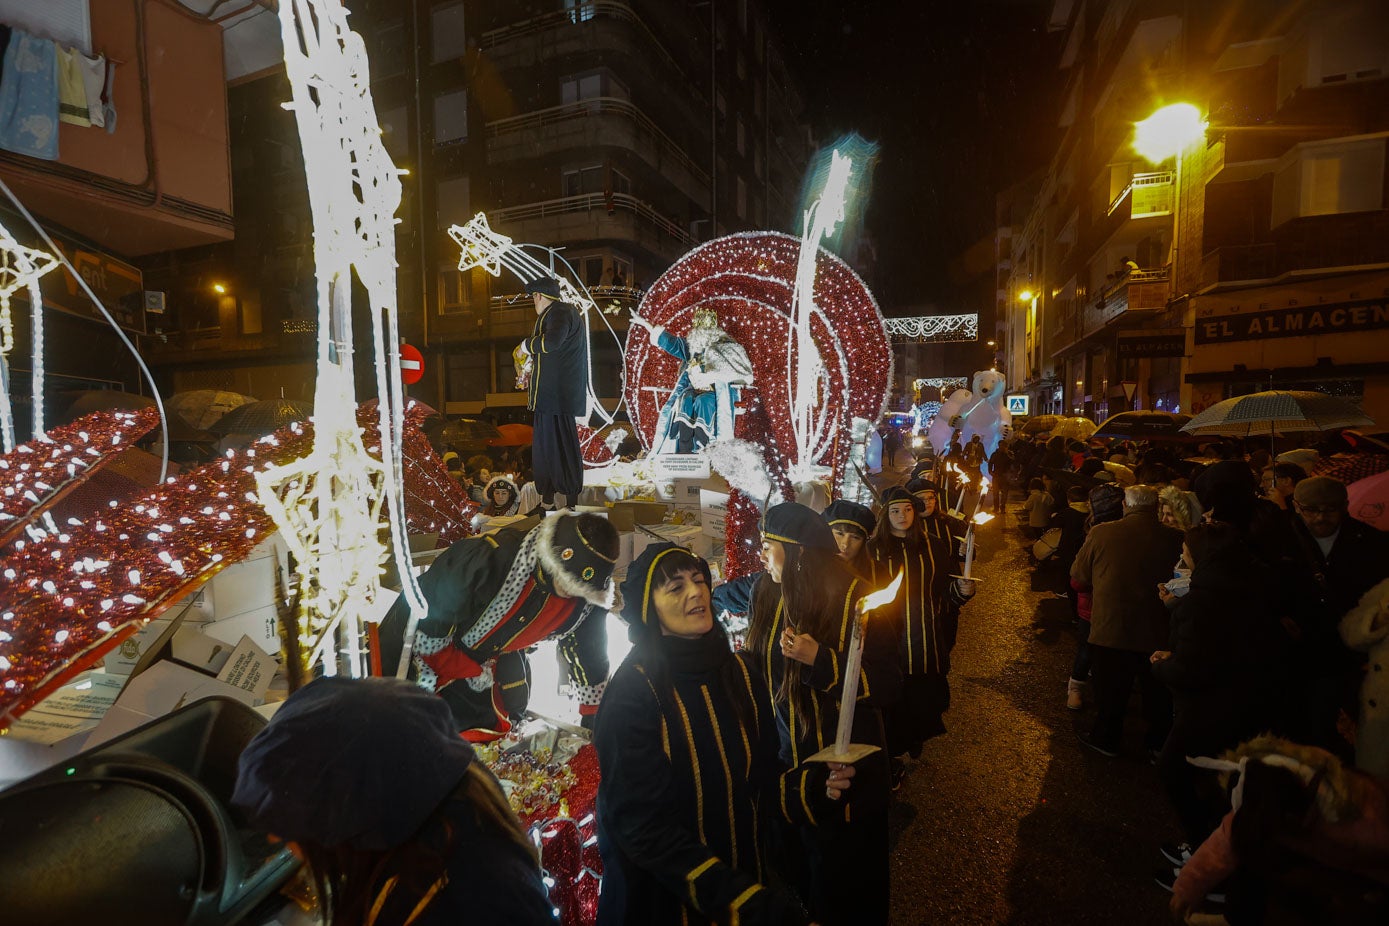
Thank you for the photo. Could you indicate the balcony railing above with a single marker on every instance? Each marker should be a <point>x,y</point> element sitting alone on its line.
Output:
<point>593,202</point>
<point>570,113</point>
<point>582,16</point>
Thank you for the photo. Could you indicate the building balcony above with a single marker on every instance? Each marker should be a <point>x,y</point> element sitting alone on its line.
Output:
<point>1305,245</point>
<point>595,217</point>
<point>1146,195</point>
<point>162,179</point>
<point>1138,295</point>
<point>591,124</point>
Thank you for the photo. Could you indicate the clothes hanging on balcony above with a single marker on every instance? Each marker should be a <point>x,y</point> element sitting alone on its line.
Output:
<point>29,97</point>
<point>93,83</point>
<point>72,92</point>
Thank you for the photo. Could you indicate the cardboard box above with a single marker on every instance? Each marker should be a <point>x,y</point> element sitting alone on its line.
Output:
<point>713,512</point>
<point>248,585</point>
<point>686,492</point>
<point>679,466</point>
<point>626,515</point>
<point>159,690</point>
<point>261,625</point>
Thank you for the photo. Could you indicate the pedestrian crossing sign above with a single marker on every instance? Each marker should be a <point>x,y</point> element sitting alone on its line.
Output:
<point>1017,404</point>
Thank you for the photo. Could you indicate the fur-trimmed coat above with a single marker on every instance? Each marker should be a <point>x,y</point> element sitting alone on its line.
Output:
<point>1366,628</point>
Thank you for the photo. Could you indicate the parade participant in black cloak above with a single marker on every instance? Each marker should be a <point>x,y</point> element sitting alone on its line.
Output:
<point>396,819</point>
<point>687,746</point>
<point>851,523</point>
<point>928,605</point>
<point>935,522</point>
<point>490,598</point>
<point>557,392</point>
<point>802,613</point>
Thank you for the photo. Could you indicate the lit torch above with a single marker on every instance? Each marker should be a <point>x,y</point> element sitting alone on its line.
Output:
<point>843,750</point>
<point>980,517</point>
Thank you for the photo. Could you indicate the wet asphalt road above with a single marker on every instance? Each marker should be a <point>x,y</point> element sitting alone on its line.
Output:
<point>1007,818</point>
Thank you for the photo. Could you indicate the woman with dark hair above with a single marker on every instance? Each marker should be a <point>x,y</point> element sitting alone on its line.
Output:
<point>398,822</point>
<point>1218,666</point>
<point>687,744</point>
<point>851,523</point>
<point>803,610</point>
<point>503,498</point>
<point>928,612</point>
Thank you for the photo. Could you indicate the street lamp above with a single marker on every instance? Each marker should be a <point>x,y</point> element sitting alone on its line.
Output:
<point>1026,295</point>
<point>1168,132</point>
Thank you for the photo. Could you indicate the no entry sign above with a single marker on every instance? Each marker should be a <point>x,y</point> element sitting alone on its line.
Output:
<point>411,364</point>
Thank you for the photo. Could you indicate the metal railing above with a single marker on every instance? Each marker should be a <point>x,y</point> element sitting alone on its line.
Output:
<point>590,202</point>
<point>510,300</point>
<point>1147,179</point>
<point>580,16</point>
<point>597,106</point>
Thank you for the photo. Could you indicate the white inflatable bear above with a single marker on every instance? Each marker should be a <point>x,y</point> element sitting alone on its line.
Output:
<point>983,411</point>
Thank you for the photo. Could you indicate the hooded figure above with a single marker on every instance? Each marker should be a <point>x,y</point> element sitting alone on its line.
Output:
<point>492,597</point>
<point>687,746</point>
<point>803,608</point>
<point>389,808</point>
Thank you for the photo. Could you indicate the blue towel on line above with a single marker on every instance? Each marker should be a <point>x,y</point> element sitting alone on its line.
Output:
<point>29,97</point>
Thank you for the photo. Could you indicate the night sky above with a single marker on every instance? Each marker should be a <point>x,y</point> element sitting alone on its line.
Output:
<point>962,97</point>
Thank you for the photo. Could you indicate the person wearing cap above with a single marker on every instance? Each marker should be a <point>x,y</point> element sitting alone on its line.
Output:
<point>557,392</point>
<point>934,521</point>
<point>492,597</point>
<point>687,745</point>
<point>1337,560</point>
<point>502,497</point>
<point>803,609</point>
<point>397,820</point>
<point>851,523</point>
<point>928,611</point>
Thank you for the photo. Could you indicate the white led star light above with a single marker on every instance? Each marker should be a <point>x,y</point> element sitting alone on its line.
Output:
<point>20,268</point>
<point>328,504</point>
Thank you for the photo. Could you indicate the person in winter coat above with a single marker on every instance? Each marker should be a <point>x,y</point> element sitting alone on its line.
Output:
<point>1306,841</point>
<point>493,597</point>
<point>1366,628</point>
<point>803,610</point>
<point>928,606</point>
<point>1106,503</point>
<point>397,820</point>
<point>1037,509</point>
<point>688,748</point>
<point>503,498</point>
<point>1215,665</point>
<point>851,523</point>
<point>1000,465</point>
<point>1123,562</point>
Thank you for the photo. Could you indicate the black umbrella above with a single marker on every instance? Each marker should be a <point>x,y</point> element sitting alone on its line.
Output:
<point>1144,426</point>
<point>261,418</point>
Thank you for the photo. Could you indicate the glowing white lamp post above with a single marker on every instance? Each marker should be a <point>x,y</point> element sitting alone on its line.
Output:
<point>843,750</point>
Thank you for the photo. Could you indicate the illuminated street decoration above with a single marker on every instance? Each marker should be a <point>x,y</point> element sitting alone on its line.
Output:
<point>804,369</point>
<point>328,503</point>
<point>934,328</point>
<point>20,269</point>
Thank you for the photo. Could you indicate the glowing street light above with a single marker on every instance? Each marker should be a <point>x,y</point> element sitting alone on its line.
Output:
<point>1168,132</point>
<point>219,289</point>
<point>1026,295</point>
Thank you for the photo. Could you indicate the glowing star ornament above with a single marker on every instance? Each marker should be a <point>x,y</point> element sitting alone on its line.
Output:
<point>20,269</point>
<point>328,504</point>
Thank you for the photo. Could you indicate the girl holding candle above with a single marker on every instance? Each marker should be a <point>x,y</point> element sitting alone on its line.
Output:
<point>688,747</point>
<point>803,609</point>
<point>928,606</point>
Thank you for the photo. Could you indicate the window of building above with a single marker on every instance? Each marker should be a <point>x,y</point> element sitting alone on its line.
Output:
<point>742,199</point>
<point>468,373</point>
<point>248,310</point>
<point>395,132</point>
<point>591,270</point>
<point>1328,178</point>
<point>579,10</point>
<point>590,86</point>
<point>453,201</point>
<point>451,117</point>
<point>387,51</point>
<point>446,31</point>
<point>622,271</point>
<point>581,180</point>
<point>456,289</point>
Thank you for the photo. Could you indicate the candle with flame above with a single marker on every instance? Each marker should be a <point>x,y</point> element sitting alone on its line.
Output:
<point>843,750</point>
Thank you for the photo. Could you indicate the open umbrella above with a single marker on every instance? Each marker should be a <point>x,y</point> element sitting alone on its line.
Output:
<point>201,408</point>
<point>468,431</point>
<point>1078,428</point>
<point>1352,467</point>
<point>261,418</point>
<point>513,435</point>
<point>1041,424</point>
<point>1369,500</point>
<point>1143,426</point>
<point>1276,412</point>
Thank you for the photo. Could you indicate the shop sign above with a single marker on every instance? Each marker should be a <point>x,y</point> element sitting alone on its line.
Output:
<point>118,285</point>
<point>1296,322</point>
<point>1169,342</point>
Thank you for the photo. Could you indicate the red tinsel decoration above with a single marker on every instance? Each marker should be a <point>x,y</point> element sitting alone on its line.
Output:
<point>593,448</point>
<point>568,845</point>
<point>748,279</point>
<point>66,599</point>
<point>742,537</point>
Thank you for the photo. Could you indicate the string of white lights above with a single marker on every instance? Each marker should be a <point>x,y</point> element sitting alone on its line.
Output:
<point>934,328</point>
<point>20,268</point>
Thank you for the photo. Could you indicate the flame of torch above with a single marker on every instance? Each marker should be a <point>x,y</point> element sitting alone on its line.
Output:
<point>881,597</point>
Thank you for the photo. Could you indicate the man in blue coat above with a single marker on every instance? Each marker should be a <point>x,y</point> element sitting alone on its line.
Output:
<point>557,392</point>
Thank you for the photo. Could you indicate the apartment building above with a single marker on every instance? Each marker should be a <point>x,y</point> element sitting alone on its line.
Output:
<point>1251,258</point>
<point>623,133</point>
